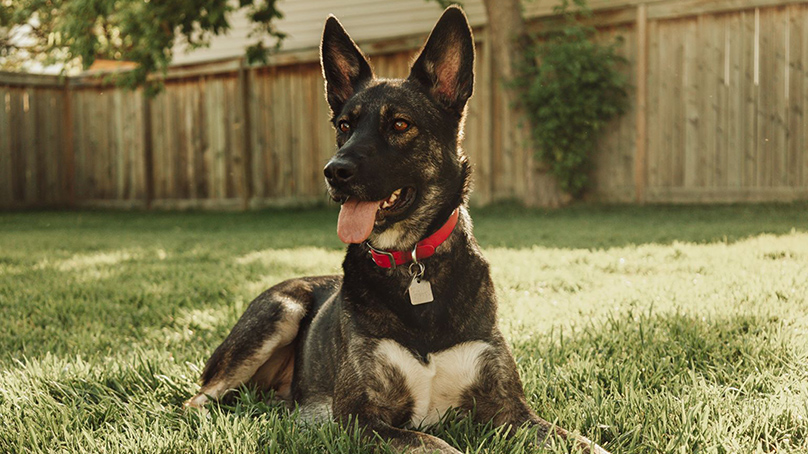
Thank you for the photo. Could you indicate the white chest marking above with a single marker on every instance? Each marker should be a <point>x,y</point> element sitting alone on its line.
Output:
<point>438,385</point>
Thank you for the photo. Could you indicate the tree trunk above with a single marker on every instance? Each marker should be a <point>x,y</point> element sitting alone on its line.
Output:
<point>508,39</point>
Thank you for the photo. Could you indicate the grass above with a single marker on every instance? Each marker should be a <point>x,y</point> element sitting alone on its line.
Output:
<point>649,329</point>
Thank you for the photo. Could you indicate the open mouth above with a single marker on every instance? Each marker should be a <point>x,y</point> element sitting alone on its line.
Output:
<point>357,217</point>
<point>396,204</point>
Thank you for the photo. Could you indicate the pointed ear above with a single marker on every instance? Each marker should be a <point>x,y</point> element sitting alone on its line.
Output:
<point>445,65</point>
<point>345,68</point>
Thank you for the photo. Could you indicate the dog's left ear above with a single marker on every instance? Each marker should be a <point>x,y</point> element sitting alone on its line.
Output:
<point>446,63</point>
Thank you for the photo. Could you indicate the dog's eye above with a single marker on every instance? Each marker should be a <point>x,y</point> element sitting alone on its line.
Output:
<point>344,126</point>
<point>401,125</point>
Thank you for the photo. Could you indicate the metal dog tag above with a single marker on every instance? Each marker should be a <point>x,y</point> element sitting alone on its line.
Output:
<point>420,291</point>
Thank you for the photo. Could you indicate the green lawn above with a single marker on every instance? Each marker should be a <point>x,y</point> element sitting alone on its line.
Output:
<point>649,329</point>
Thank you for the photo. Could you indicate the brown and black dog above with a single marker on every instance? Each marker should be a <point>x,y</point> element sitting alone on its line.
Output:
<point>410,330</point>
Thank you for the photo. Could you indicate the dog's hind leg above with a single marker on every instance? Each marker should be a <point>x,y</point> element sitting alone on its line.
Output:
<point>260,348</point>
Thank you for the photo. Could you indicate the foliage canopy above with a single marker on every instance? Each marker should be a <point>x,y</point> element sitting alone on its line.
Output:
<point>77,32</point>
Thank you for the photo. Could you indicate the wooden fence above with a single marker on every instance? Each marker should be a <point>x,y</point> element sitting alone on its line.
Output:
<point>718,114</point>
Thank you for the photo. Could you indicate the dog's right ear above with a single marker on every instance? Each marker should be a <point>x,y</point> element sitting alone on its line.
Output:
<point>345,68</point>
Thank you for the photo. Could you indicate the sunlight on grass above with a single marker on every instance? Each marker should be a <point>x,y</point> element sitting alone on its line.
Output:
<point>545,288</point>
<point>650,330</point>
<point>84,261</point>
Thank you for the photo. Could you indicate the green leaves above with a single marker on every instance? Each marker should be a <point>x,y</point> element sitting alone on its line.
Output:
<point>77,32</point>
<point>573,88</point>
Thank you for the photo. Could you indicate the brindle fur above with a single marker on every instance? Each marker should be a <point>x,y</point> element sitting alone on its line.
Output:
<point>315,340</point>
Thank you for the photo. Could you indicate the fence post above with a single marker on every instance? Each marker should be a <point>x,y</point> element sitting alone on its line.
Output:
<point>69,184</point>
<point>246,148</point>
<point>148,152</point>
<point>640,156</point>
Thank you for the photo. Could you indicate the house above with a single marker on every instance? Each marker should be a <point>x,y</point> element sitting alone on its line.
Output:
<point>366,21</point>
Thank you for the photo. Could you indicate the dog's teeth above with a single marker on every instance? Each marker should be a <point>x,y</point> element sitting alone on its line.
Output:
<point>391,200</point>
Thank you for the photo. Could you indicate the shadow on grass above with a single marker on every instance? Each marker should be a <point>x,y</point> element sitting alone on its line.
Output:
<point>501,225</point>
<point>639,383</point>
<point>603,226</point>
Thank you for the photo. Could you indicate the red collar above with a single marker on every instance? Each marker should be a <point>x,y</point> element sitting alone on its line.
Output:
<point>423,249</point>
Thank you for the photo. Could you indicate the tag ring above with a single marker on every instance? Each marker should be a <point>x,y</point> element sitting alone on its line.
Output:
<point>417,274</point>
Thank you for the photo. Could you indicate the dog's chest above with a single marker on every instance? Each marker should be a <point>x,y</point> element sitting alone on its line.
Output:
<point>437,384</point>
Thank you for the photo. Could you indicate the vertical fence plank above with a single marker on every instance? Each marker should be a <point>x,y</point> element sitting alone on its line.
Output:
<point>734,105</point>
<point>300,182</point>
<point>766,101</point>
<point>780,85</point>
<point>148,149</point>
<point>803,131</point>
<point>244,84</point>
<point>712,61</point>
<point>678,102</point>
<point>311,93</point>
<point>751,89</point>
<point>795,68</point>
<point>692,96</point>
<point>653,126</point>
<point>6,198</point>
<point>666,105</point>
<point>641,153</point>
<point>30,149</point>
<point>485,121</point>
<point>5,151</point>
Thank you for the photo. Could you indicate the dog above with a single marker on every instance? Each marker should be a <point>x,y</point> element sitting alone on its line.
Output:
<point>409,331</point>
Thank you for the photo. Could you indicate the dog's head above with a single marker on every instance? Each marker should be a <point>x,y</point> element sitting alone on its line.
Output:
<point>399,170</point>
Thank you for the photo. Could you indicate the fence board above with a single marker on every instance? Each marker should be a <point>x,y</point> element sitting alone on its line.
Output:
<point>803,131</point>
<point>680,147</point>
<point>720,77</point>
<point>653,123</point>
<point>795,67</point>
<point>5,146</point>
<point>693,101</point>
<point>750,93</point>
<point>727,100</point>
<point>734,105</point>
<point>481,104</point>
<point>779,170</point>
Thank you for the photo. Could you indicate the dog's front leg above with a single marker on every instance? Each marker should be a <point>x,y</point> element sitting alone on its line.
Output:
<point>410,441</point>
<point>372,397</point>
<point>513,411</point>
<point>498,397</point>
<point>407,441</point>
<point>547,431</point>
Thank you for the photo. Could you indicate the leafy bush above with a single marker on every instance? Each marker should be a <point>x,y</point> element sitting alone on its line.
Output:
<point>571,89</point>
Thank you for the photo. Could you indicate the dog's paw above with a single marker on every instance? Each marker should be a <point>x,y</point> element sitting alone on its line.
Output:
<point>196,404</point>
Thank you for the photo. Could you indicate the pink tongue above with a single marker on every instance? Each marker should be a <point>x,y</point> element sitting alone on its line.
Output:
<point>356,220</point>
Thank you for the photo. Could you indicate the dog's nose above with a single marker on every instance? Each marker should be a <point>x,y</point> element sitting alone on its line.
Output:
<point>339,171</point>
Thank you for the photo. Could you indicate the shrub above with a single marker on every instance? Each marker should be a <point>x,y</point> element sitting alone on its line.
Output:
<point>571,88</point>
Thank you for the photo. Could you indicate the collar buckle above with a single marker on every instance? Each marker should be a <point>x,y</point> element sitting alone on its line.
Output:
<point>376,254</point>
